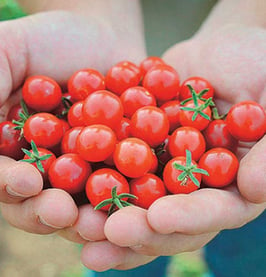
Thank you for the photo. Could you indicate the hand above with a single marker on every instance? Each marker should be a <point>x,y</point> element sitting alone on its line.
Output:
<point>233,60</point>
<point>54,44</point>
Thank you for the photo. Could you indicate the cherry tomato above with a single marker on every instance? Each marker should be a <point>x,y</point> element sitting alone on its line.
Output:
<point>61,110</point>
<point>184,138</point>
<point>148,63</point>
<point>217,135</point>
<point>41,93</point>
<point>102,107</point>
<point>172,108</point>
<point>222,166</point>
<point>150,124</point>
<point>162,81</point>
<point>133,157</point>
<point>199,84</point>
<point>147,189</point>
<point>69,140</point>
<point>15,111</point>
<point>45,129</point>
<point>100,183</point>
<point>122,76</point>
<point>95,143</point>
<point>155,163</point>
<point>134,98</point>
<point>246,121</point>
<point>69,172</point>
<point>75,114</point>
<point>122,130</point>
<point>84,82</point>
<point>10,141</point>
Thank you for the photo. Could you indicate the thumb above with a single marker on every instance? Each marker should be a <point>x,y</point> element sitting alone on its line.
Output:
<point>251,173</point>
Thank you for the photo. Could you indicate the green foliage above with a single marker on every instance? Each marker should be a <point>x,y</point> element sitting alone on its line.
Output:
<point>9,9</point>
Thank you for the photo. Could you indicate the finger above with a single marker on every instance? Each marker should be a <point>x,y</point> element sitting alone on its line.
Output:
<point>251,174</point>
<point>104,255</point>
<point>129,227</point>
<point>45,213</point>
<point>88,227</point>
<point>18,180</point>
<point>203,211</point>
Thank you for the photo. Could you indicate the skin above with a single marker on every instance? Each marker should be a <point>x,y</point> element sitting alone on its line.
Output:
<point>173,224</point>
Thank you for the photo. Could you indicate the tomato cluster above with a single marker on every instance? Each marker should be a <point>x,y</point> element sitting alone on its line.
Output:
<point>128,137</point>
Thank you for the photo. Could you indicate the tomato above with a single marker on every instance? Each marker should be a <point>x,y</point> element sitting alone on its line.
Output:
<point>162,81</point>
<point>246,121</point>
<point>69,140</point>
<point>15,112</point>
<point>45,129</point>
<point>155,163</point>
<point>84,82</point>
<point>102,107</point>
<point>148,63</point>
<point>122,76</point>
<point>134,98</point>
<point>122,130</point>
<point>199,84</point>
<point>62,109</point>
<point>172,108</point>
<point>10,141</point>
<point>222,166</point>
<point>75,115</point>
<point>217,135</point>
<point>41,93</point>
<point>95,143</point>
<point>69,172</point>
<point>147,189</point>
<point>184,138</point>
<point>133,157</point>
<point>100,184</point>
<point>150,124</point>
<point>197,115</point>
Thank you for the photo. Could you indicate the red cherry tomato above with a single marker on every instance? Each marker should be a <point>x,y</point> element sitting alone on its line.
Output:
<point>199,84</point>
<point>41,93</point>
<point>45,129</point>
<point>172,108</point>
<point>95,143</point>
<point>102,107</point>
<point>100,183</point>
<point>222,166</point>
<point>133,157</point>
<point>147,189</point>
<point>246,121</point>
<point>84,82</point>
<point>162,81</point>
<point>10,141</point>
<point>184,138</point>
<point>122,76</point>
<point>150,124</point>
<point>75,115</point>
<point>69,140</point>
<point>134,98</point>
<point>70,173</point>
<point>122,130</point>
<point>148,63</point>
<point>155,163</point>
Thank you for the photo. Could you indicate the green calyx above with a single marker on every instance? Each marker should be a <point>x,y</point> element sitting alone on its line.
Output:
<point>34,156</point>
<point>115,201</point>
<point>188,170</point>
<point>67,105</point>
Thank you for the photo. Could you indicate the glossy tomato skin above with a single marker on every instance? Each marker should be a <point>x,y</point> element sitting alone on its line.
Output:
<point>148,63</point>
<point>70,173</point>
<point>84,82</point>
<point>172,109</point>
<point>102,107</point>
<point>134,98</point>
<point>122,76</point>
<point>100,183</point>
<point>170,177</point>
<point>222,166</point>
<point>41,93</point>
<point>95,143</point>
<point>69,140</point>
<point>155,163</point>
<point>10,142</point>
<point>246,121</point>
<point>200,122</point>
<point>147,189</point>
<point>162,81</point>
<point>75,115</point>
<point>150,124</point>
<point>133,157</point>
<point>187,138</point>
<point>45,129</point>
<point>217,135</point>
<point>122,130</point>
<point>198,84</point>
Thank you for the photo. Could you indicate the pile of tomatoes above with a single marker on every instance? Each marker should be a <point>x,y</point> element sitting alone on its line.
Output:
<point>128,137</point>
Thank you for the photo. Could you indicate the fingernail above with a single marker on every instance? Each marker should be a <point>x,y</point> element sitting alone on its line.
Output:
<point>13,193</point>
<point>42,221</point>
<point>84,237</point>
